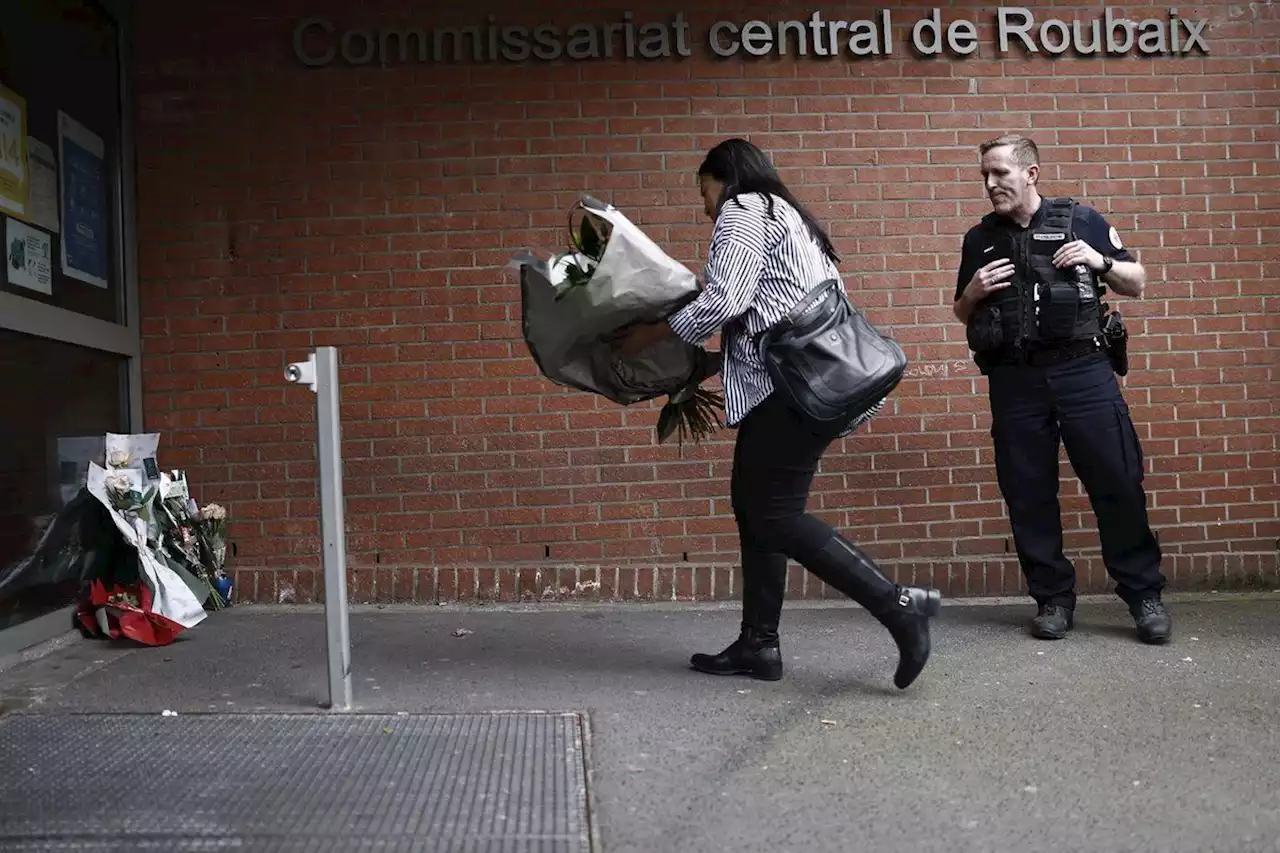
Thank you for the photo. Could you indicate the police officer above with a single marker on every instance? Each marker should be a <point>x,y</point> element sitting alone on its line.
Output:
<point>1029,291</point>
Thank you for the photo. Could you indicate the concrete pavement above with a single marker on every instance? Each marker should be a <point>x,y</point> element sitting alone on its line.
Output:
<point>1006,743</point>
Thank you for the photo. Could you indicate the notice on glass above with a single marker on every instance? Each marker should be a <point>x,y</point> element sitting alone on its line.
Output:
<point>29,256</point>
<point>75,453</point>
<point>84,202</point>
<point>13,152</point>
<point>42,185</point>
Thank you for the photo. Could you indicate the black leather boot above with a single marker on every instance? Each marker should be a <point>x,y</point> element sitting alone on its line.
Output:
<point>757,651</point>
<point>904,610</point>
<point>751,654</point>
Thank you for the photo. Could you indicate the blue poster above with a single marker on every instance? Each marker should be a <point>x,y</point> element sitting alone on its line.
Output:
<point>84,202</point>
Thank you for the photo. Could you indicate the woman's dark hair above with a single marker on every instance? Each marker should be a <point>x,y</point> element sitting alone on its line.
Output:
<point>744,168</point>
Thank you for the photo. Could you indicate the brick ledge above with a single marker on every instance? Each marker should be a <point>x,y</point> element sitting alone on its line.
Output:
<point>589,582</point>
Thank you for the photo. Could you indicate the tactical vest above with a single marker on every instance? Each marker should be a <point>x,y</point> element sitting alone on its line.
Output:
<point>1044,305</point>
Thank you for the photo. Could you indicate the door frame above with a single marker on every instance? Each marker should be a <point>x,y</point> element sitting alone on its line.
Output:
<point>28,316</point>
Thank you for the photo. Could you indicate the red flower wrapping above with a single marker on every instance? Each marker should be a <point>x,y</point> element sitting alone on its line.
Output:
<point>124,618</point>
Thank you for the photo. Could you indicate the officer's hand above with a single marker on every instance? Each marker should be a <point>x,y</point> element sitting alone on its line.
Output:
<point>1078,252</point>
<point>988,279</point>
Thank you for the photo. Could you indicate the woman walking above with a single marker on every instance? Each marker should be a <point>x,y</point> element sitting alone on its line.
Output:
<point>767,252</point>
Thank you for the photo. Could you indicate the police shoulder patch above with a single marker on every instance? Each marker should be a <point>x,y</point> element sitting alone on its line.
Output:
<point>1114,235</point>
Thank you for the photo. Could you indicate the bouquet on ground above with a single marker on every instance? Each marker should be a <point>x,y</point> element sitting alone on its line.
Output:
<point>577,304</point>
<point>170,552</point>
<point>129,542</point>
<point>211,531</point>
<point>140,595</point>
<point>193,538</point>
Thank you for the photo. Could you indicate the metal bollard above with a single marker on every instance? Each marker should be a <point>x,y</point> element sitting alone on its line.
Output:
<point>320,372</point>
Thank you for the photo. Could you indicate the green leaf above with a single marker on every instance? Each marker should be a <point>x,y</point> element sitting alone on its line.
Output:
<point>576,275</point>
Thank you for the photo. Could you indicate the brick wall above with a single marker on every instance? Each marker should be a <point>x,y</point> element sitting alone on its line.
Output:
<point>285,207</point>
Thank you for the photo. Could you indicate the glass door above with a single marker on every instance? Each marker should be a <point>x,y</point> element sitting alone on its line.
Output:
<point>69,329</point>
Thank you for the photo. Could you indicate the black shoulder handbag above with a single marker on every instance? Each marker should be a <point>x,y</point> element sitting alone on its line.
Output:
<point>828,361</point>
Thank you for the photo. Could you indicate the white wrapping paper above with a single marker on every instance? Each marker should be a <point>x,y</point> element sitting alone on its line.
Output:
<point>171,597</point>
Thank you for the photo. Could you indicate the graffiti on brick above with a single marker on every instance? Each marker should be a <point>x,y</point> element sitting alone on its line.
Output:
<point>936,369</point>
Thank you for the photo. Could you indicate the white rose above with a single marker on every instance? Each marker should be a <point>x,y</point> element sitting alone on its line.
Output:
<point>118,483</point>
<point>213,512</point>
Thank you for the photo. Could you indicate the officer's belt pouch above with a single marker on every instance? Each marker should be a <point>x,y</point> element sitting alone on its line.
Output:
<point>984,329</point>
<point>1115,339</point>
<point>1059,310</point>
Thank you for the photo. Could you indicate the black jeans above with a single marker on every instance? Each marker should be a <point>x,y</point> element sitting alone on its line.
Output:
<point>774,461</point>
<point>1079,403</point>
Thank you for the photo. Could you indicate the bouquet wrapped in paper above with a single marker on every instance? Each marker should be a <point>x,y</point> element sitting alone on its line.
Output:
<point>144,597</point>
<point>129,541</point>
<point>192,538</point>
<point>578,303</point>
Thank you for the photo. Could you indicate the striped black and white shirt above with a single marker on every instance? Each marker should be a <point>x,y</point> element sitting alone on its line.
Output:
<point>758,267</point>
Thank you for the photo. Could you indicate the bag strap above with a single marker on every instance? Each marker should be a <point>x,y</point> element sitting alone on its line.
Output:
<point>810,301</point>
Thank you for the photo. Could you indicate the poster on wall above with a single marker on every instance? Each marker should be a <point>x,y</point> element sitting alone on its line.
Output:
<point>28,256</point>
<point>84,202</point>
<point>13,152</point>
<point>42,185</point>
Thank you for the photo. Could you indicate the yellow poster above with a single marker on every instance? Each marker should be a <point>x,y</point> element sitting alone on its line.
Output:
<point>13,152</point>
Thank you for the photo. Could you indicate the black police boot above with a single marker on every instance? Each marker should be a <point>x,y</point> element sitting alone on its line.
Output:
<point>904,610</point>
<point>757,651</point>
<point>1155,626</point>
<point>1053,621</point>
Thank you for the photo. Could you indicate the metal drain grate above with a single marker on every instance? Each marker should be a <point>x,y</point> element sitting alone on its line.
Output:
<point>485,783</point>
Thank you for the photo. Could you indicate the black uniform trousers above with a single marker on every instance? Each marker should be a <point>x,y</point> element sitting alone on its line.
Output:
<point>1077,402</point>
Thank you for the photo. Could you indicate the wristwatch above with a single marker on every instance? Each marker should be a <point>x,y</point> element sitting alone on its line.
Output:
<point>1107,264</point>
